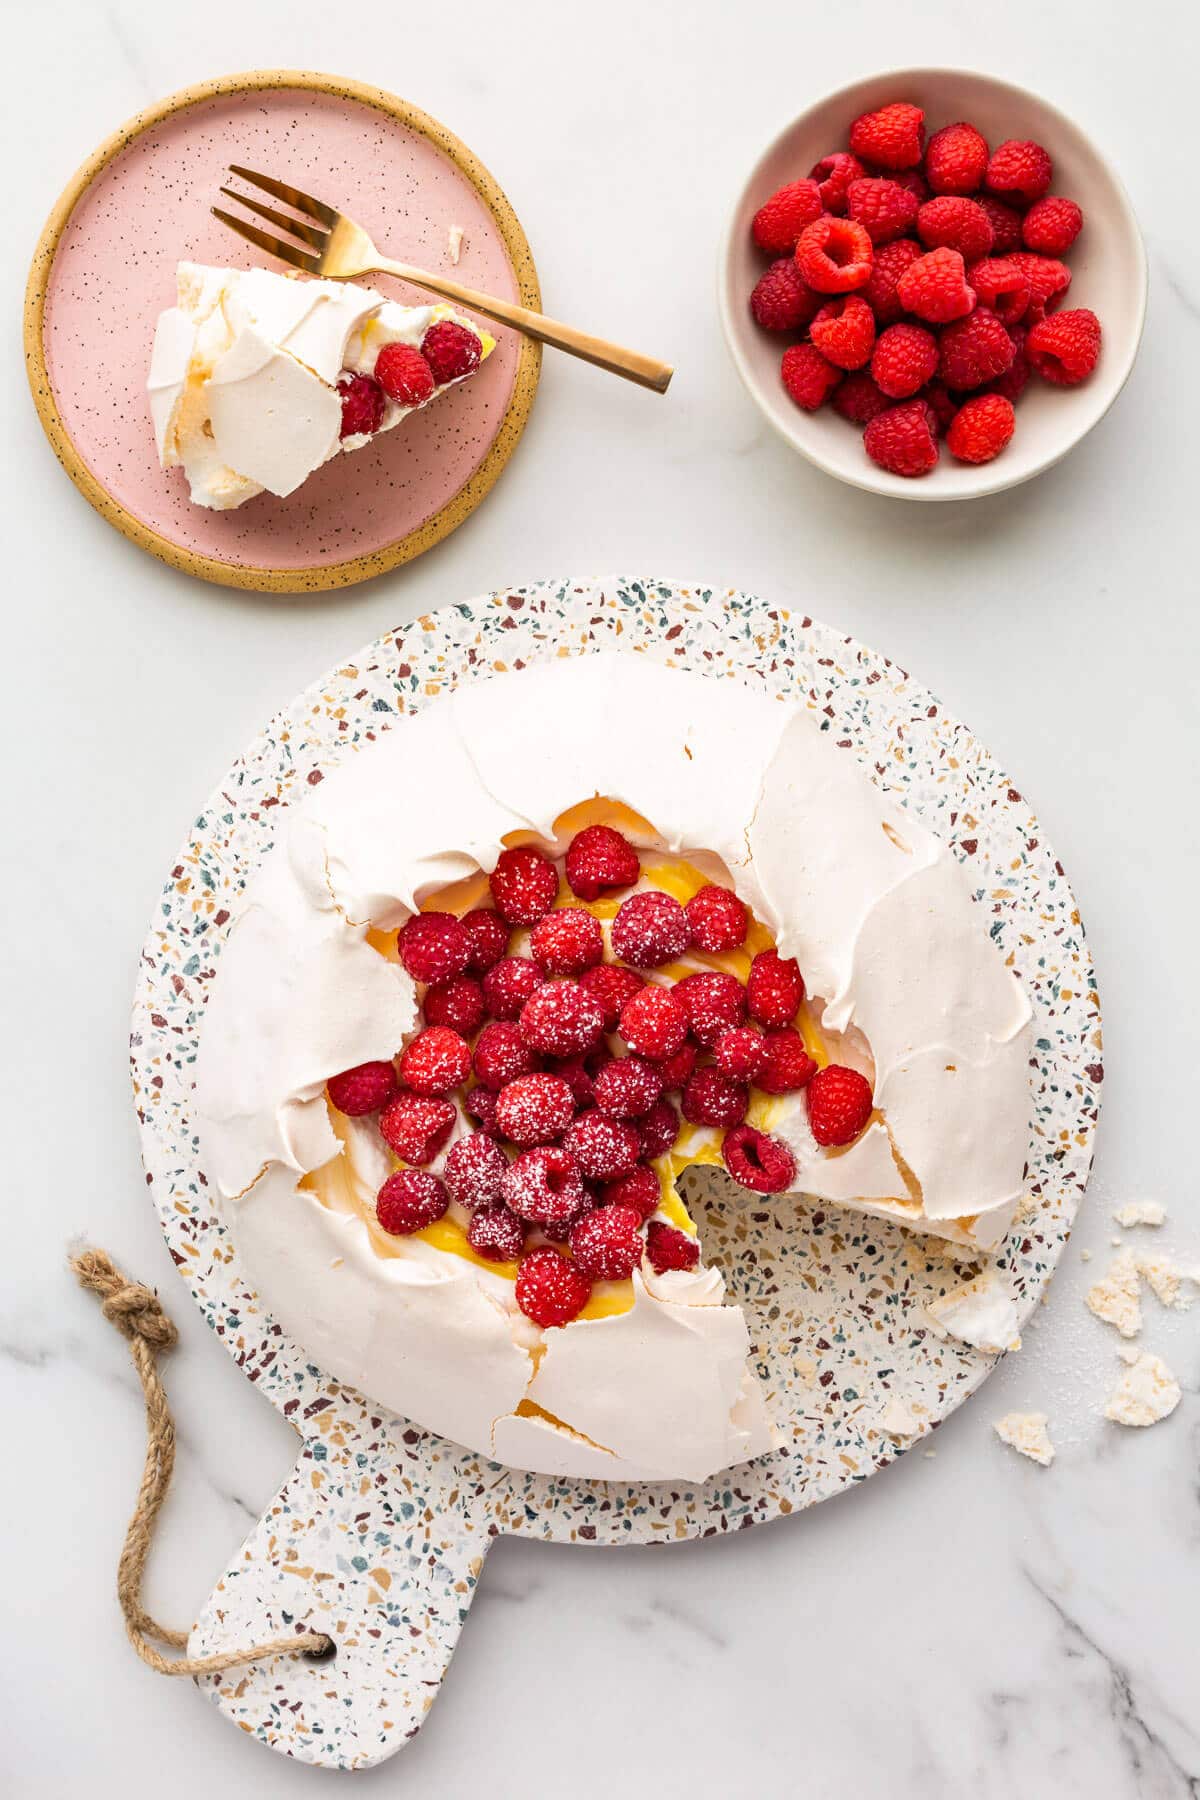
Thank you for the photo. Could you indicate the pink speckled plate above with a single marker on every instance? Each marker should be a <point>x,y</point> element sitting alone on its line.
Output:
<point>105,268</point>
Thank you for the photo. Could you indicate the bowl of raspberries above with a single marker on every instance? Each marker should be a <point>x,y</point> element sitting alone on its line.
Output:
<point>933,284</point>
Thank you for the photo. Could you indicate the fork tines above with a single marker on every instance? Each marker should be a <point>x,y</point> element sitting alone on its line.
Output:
<point>298,228</point>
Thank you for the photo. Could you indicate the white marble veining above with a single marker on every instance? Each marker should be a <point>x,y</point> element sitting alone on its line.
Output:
<point>838,1653</point>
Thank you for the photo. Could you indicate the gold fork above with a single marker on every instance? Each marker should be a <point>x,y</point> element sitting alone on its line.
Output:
<point>339,249</point>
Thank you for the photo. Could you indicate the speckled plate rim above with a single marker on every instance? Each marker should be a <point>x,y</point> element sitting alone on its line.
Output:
<point>254,577</point>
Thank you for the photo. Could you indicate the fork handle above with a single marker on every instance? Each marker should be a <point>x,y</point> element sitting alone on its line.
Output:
<point>647,371</point>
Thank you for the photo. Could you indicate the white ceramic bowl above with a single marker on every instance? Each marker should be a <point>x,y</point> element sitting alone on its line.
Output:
<point>1107,262</point>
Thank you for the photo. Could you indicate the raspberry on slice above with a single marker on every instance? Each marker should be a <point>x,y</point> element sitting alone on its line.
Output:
<point>451,350</point>
<point>758,1162</point>
<point>496,1234</point>
<point>1051,225</point>
<point>524,885</point>
<point>362,405</point>
<point>487,939</point>
<point>567,941</point>
<point>404,375</point>
<point>474,1169</point>
<point>1005,222</point>
<point>433,946</point>
<point>502,1055</point>
<point>981,428</point>
<point>606,1244</point>
<point>457,1003</point>
<point>956,159</point>
<point>409,1200</point>
<point>562,1019</point>
<point>954,223</point>
<point>550,1290</point>
<point>891,260</point>
<point>839,1104</point>
<point>834,256</point>
<point>612,986</point>
<point>893,136</point>
<point>676,1068</point>
<point>711,1098</point>
<point>509,984</point>
<point>534,1109</point>
<point>902,439</point>
<point>435,1062</point>
<point>659,1129</point>
<point>417,1127</point>
<point>669,1248</point>
<point>1065,347</point>
<point>974,350</point>
<point>604,1148</point>
<point>780,300</point>
<point>627,1087</point>
<point>774,988</point>
<point>1049,280</point>
<point>741,1054</point>
<point>654,1023</point>
<point>789,1067</point>
<point>639,1189</point>
<point>885,209</point>
<point>717,920</point>
<point>833,175</point>
<point>1019,167</point>
<point>1002,285</point>
<point>479,1103</point>
<point>599,858</point>
<point>779,221</point>
<point>713,1001</point>
<point>844,331</point>
<point>858,399</point>
<point>935,287</point>
<point>649,930</point>
<point>904,359</point>
<point>543,1186</point>
<point>807,378</point>
<point>580,1072</point>
<point>363,1089</point>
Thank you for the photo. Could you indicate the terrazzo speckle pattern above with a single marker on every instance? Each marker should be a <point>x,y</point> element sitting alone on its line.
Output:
<point>379,1533</point>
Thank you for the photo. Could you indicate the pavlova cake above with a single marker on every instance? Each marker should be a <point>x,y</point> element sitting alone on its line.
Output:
<point>256,379</point>
<point>511,970</point>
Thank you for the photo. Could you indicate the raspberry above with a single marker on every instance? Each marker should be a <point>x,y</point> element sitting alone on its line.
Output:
<point>627,1087</point>
<point>788,1064</point>
<point>487,939</point>
<point>579,1073</point>
<point>1002,285</point>
<point>711,1098</point>
<point>598,858</point>
<point>433,946</point>
<point>435,1062</point>
<point>362,405</point>
<point>893,137</point>
<point>1019,167</point>
<point>457,1003</point>
<point>567,941</point>
<point>649,930</point>
<point>974,350</point>
<point>612,986</point>
<point>534,1109</point>
<point>404,375</point>
<point>716,919</point>
<point>1065,348</point>
<point>417,1128</point>
<point>640,1189</point>
<point>659,1129</point>
<point>902,439</point>
<point>474,1169</point>
<point>883,208</point>
<point>839,1104</point>
<point>758,1162</point>
<point>891,260</point>
<point>942,403</point>
<point>1005,223</point>
<point>604,1148</point>
<point>480,1105</point>
<point>1051,225</point>
<point>956,160</point>
<point>741,1054</point>
<point>981,428</point>
<point>833,175</point>
<point>779,221</point>
<point>1049,280</point>
<point>844,331</point>
<point>562,1019</point>
<point>543,1186</point>
<point>1012,383</point>
<point>676,1068</point>
<point>363,1089</point>
<point>502,1055</point>
<point>713,1001</point>
<point>913,182</point>
<point>606,1244</point>
<point>654,1023</point>
<point>550,1290</point>
<point>668,1248</point>
<point>780,300</point>
<point>858,399</point>
<point>409,1200</point>
<point>935,287</point>
<point>508,985</point>
<point>450,350</point>
<point>834,255</point>
<point>774,988</point>
<point>904,359</point>
<point>953,223</point>
<point>807,377</point>
<point>524,885</point>
<point>496,1234</point>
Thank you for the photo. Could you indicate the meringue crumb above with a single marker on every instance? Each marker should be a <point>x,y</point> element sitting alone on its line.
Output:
<point>1115,1242</point>
<point>337,1262</point>
<point>454,242</point>
<point>929,1455</point>
<point>1146,1392</point>
<point>1085,1256</point>
<point>899,1420</point>
<point>1167,1281</point>
<point>980,1313</point>
<point>1140,1212</point>
<point>1116,1298</point>
<point>1026,1433</point>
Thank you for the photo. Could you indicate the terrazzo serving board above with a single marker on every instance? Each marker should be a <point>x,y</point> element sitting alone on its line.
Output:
<point>380,1533</point>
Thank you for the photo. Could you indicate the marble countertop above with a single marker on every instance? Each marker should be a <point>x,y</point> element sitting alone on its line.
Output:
<point>967,1622</point>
